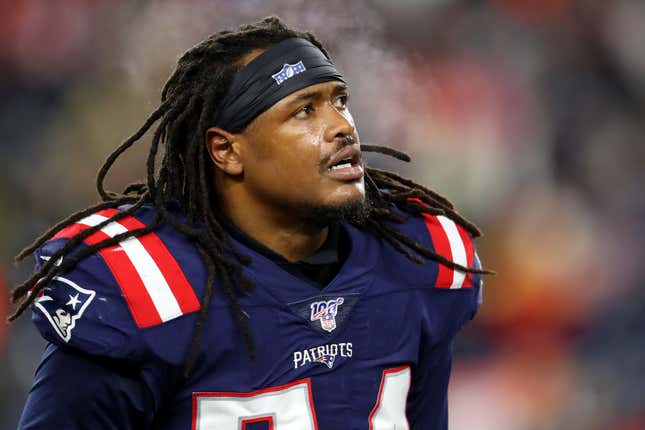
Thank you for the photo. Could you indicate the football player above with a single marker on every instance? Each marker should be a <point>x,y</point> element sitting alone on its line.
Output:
<point>262,277</point>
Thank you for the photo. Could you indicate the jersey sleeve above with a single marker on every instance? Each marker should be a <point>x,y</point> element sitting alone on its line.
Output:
<point>453,242</point>
<point>447,299</point>
<point>84,310</point>
<point>76,391</point>
<point>109,363</point>
<point>119,301</point>
<point>452,296</point>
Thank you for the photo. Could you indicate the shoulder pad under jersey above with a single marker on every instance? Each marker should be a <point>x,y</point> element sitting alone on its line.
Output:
<point>459,293</point>
<point>114,302</point>
<point>447,239</point>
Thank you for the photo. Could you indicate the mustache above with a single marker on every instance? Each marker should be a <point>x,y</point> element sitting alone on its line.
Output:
<point>340,144</point>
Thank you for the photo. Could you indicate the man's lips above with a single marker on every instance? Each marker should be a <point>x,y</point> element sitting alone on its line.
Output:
<point>345,165</point>
<point>349,173</point>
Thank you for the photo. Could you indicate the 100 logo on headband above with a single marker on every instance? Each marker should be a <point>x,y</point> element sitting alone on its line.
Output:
<point>291,406</point>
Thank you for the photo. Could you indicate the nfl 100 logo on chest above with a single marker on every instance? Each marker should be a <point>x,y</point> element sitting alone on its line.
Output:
<point>325,312</point>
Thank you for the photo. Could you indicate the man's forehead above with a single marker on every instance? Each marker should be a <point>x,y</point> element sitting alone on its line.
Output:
<point>315,90</point>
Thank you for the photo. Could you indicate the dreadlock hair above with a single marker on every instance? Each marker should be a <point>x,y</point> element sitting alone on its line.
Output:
<point>183,177</point>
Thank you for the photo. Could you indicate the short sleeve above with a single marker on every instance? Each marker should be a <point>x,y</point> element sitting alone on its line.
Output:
<point>457,294</point>
<point>75,391</point>
<point>84,309</point>
<point>125,300</point>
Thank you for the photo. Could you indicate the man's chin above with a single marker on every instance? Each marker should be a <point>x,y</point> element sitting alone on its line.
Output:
<point>355,212</point>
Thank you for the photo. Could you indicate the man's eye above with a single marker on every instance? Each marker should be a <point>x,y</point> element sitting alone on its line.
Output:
<point>341,102</point>
<point>304,111</point>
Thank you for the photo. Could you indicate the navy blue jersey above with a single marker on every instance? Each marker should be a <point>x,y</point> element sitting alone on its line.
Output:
<point>371,350</point>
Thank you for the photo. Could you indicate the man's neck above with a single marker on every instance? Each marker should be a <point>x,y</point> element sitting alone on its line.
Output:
<point>294,243</point>
<point>286,234</point>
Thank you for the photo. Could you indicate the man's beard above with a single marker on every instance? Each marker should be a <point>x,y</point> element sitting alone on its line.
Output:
<point>353,213</point>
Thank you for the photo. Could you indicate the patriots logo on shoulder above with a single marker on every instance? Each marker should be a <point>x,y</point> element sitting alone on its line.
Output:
<point>288,71</point>
<point>63,302</point>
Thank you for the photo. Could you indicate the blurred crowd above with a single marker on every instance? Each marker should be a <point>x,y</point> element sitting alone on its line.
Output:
<point>528,114</point>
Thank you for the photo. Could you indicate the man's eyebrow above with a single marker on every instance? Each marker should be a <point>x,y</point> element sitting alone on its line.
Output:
<point>338,88</point>
<point>304,96</point>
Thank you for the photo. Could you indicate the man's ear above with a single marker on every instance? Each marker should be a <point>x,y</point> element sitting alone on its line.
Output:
<point>223,149</point>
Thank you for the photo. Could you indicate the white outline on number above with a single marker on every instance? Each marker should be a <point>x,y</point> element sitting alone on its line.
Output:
<point>291,405</point>
<point>389,410</point>
<point>227,410</point>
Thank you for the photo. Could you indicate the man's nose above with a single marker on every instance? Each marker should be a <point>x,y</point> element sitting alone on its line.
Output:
<point>340,125</point>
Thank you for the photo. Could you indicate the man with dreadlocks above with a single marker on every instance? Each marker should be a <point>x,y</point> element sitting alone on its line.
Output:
<point>262,277</point>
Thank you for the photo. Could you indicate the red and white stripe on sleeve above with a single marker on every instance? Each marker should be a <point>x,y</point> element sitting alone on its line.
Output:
<point>453,242</point>
<point>152,282</point>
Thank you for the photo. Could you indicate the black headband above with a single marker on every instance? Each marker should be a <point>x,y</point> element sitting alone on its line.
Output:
<point>287,67</point>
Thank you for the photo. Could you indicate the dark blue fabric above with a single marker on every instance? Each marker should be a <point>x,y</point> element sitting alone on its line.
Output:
<point>391,316</point>
<point>72,391</point>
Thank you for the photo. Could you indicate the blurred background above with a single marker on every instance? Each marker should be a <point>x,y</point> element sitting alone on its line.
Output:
<point>529,114</point>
